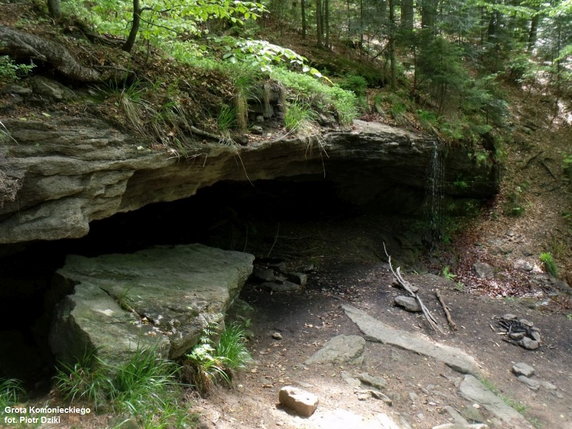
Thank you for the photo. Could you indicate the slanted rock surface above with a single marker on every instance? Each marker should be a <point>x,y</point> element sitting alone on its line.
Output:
<point>342,348</point>
<point>378,331</point>
<point>160,297</point>
<point>473,390</point>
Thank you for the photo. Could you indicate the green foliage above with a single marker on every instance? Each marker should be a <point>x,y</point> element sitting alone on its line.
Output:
<point>11,392</point>
<point>355,83</point>
<point>226,118</point>
<point>209,365</point>
<point>86,380</point>
<point>320,96</point>
<point>296,116</point>
<point>10,71</point>
<point>145,387</point>
<point>163,19</point>
<point>514,205</point>
<point>446,272</point>
<point>549,263</point>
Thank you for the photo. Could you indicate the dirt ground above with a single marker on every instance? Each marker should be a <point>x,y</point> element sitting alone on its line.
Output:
<point>419,387</point>
<point>350,270</point>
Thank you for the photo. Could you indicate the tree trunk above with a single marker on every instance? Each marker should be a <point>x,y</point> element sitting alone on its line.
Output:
<point>429,14</point>
<point>532,33</point>
<point>303,12</point>
<point>391,45</point>
<point>327,21</point>
<point>319,29</point>
<point>407,16</point>
<point>24,46</point>
<point>54,9</point>
<point>128,46</point>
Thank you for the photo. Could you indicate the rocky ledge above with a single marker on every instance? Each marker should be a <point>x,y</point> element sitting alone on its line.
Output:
<point>160,298</point>
<point>59,175</point>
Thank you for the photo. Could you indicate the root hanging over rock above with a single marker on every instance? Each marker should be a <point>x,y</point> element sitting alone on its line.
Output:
<point>23,46</point>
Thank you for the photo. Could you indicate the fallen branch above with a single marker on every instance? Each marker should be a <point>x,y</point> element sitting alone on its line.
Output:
<point>547,168</point>
<point>203,133</point>
<point>531,159</point>
<point>446,310</point>
<point>409,288</point>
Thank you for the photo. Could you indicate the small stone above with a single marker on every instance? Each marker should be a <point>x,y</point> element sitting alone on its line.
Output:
<point>277,335</point>
<point>531,383</point>
<point>300,401</point>
<point>378,395</point>
<point>264,274</point>
<point>376,382</point>
<point>516,335</point>
<point>352,381</point>
<point>522,368</point>
<point>408,303</point>
<point>363,395</point>
<point>259,119</point>
<point>281,286</point>
<point>256,129</point>
<point>523,265</point>
<point>509,316</point>
<point>529,344</point>
<point>483,270</point>
<point>299,278</point>
<point>413,397</point>
<point>526,323</point>
<point>340,349</point>
<point>547,385</point>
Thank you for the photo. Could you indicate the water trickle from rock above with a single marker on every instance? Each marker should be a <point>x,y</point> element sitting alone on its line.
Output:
<point>434,192</point>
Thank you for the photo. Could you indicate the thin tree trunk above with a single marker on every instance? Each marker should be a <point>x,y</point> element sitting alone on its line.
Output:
<point>319,30</point>
<point>54,9</point>
<point>303,11</point>
<point>327,21</point>
<point>128,46</point>
<point>392,70</point>
<point>532,33</point>
<point>407,16</point>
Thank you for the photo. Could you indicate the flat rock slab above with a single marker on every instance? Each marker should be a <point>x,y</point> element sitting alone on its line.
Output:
<point>473,390</point>
<point>522,368</point>
<point>162,297</point>
<point>376,330</point>
<point>343,348</point>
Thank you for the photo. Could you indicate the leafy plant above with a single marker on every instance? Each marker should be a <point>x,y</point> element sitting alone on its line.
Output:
<point>209,365</point>
<point>10,71</point>
<point>549,263</point>
<point>446,272</point>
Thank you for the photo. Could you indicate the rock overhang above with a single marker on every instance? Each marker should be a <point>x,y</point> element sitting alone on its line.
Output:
<point>71,171</point>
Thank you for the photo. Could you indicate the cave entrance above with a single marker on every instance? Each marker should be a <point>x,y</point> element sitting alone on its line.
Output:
<point>271,219</point>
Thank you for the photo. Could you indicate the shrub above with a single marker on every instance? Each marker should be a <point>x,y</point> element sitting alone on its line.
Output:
<point>549,263</point>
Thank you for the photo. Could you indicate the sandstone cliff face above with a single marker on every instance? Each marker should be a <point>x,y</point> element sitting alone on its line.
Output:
<point>59,175</point>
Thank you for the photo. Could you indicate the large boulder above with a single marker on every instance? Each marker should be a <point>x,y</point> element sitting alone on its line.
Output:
<point>160,298</point>
<point>59,174</point>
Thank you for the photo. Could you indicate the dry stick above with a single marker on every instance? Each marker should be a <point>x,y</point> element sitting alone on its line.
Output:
<point>446,310</point>
<point>407,286</point>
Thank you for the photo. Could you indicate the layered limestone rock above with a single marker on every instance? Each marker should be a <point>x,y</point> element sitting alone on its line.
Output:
<point>58,176</point>
<point>160,298</point>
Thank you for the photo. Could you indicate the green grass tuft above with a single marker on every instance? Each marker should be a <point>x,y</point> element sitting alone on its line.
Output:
<point>549,263</point>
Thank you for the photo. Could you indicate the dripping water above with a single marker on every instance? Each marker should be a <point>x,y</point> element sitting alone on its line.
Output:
<point>436,176</point>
